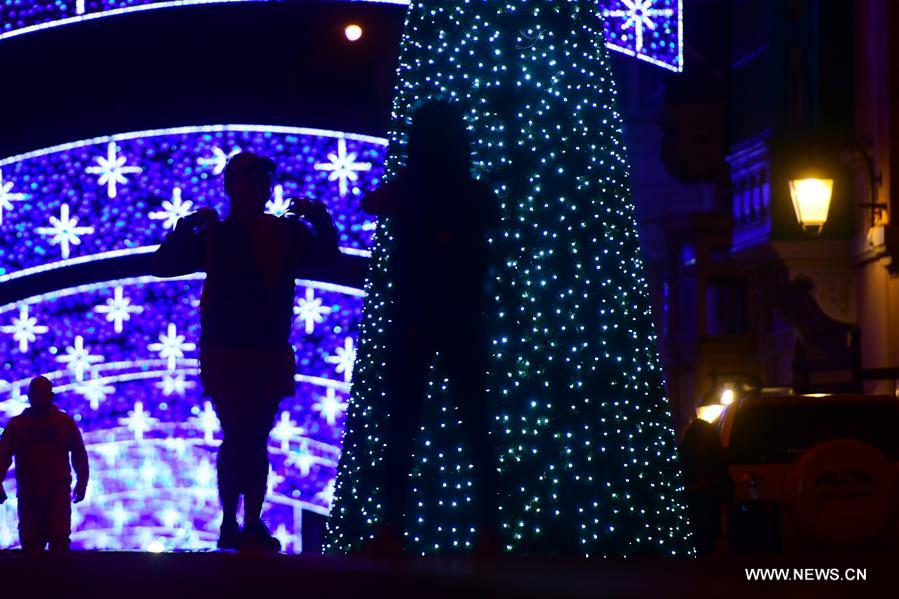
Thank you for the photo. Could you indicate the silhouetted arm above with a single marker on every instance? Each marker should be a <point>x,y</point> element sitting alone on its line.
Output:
<point>320,244</point>
<point>80,462</point>
<point>380,202</point>
<point>182,250</point>
<point>6,453</point>
<point>488,205</point>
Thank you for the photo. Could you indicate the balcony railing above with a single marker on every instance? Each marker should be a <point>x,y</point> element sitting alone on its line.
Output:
<point>751,193</point>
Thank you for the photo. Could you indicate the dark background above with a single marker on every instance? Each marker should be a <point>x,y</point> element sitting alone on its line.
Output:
<point>254,63</point>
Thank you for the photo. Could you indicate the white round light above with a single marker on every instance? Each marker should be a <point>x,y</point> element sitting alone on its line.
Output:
<point>353,32</point>
<point>156,547</point>
<point>727,397</point>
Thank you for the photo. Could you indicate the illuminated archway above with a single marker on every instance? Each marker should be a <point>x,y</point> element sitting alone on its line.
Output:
<point>121,352</point>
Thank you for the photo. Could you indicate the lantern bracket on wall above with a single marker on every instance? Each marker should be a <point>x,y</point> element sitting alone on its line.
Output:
<point>857,151</point>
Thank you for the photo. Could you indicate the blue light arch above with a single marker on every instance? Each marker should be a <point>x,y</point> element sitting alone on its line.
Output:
<point>121,351</point>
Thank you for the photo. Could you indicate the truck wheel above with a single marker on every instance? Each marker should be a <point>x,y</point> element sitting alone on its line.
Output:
<point>842,491</point>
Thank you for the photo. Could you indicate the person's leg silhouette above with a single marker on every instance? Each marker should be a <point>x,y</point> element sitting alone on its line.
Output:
<point>59,520</point>
<point>464,354</point>
<point>255,471</point>
<point>406,376</point>
<point>243,467</point>
<point>32,523</point>
<point>228,467</point>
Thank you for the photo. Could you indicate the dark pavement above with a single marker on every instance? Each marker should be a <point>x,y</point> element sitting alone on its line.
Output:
<point>202,575</point>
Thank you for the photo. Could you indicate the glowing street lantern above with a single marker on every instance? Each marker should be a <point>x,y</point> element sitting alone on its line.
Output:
<point>811,202</point>
<point>710,412</point>
<point>727,397</point>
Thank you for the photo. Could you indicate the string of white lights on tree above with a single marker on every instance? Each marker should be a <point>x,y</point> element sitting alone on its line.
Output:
<point>587,453</point>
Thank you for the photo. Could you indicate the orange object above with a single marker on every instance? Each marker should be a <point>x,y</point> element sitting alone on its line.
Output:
<point>825,469</point>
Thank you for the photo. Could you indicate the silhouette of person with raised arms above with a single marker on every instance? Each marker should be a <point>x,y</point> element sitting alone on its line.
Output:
<point>42,439</point>
<point>440,219</point>
<point>251,260</point>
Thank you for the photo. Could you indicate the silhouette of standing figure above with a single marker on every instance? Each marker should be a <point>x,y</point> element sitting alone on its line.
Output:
<point>41,439</point>
<point>708,481</point>
<point>440,217</point>
<point>251,260</point>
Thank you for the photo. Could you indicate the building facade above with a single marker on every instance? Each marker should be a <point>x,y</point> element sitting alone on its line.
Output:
<point>747,299</point>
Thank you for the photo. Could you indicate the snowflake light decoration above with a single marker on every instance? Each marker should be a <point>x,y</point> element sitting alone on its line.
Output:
<point>64,230</point>
<point>285,430</point>
<point>111,169</point>
<point>279,205</point>
<point>78,358</point>
<point>208,422</point>
<point>7,197</point>
<point>14,405</point>
<point>24,329</point>
<point>651,30</point>
<point>219,159</point>
<point>118,309</point>
<point>172,346</point>
<point>303,460</point>
<point>330,406</point>
<point>175,384</point>
<point>343,167</point>
<point>95,390</point>
<point>173,210</point>
<point>139,422</point>
<point>310,310</point>
<point>344,358</point>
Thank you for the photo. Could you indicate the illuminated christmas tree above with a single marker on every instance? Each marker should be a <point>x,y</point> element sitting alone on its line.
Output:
<point>586,451</point>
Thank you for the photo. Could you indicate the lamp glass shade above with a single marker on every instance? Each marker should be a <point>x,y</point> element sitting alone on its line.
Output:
<point>709,412</point>
<point>727,397</point>
<point>811,202</point>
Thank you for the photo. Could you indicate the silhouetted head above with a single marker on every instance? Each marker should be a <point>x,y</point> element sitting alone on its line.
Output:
<point>438,141</point>
<point>248,182</point>
<point>40,392</point>
<point>701,437</point>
